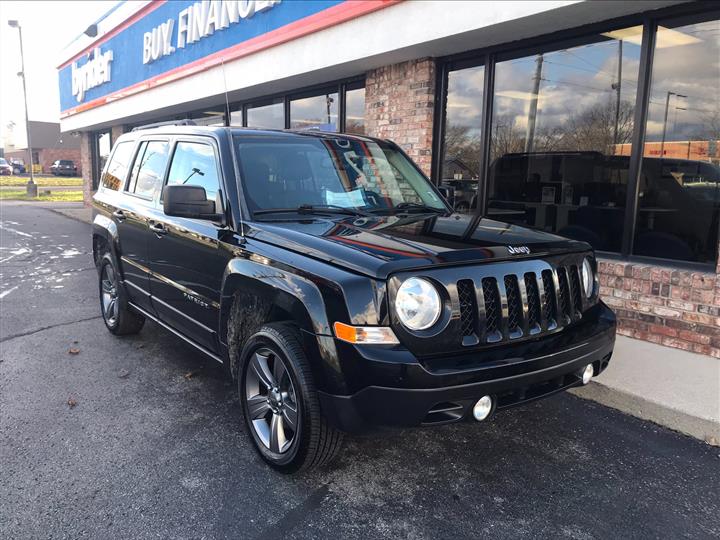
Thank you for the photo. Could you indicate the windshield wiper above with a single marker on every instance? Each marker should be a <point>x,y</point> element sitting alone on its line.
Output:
<point>418,206</point>
<point>315,209</point>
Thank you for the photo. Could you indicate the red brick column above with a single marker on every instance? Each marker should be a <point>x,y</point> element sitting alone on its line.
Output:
<point>399,101</point>
<point>86,165</point>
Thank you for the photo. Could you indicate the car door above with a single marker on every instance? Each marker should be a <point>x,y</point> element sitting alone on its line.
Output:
<point>187,256</point>
<point>132,214</point>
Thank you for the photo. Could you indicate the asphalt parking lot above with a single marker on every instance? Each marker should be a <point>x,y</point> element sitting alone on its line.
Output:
<point>152,445</point>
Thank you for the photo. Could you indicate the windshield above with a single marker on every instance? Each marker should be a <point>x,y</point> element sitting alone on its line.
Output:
<point>286,173</point>
<point>3,162</point>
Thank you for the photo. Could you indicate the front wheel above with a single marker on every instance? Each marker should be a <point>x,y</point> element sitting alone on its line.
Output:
<point>116,313</point>
<point>280,403</point>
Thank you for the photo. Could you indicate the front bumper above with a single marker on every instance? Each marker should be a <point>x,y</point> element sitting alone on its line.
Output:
<point>442,390</point>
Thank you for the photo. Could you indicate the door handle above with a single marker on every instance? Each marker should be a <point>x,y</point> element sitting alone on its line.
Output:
<point>119,215</point>
<point>159,229</point>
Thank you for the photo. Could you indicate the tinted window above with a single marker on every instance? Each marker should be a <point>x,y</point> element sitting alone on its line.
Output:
<point>194,164</point>
<point>355,111</point>
<point>560,136</point>
<point>149,168</point>
<point>317,112</point>
<point>679,197</point>
<point>268,116</point>
<point>114,176</point>
<point>462,141</point>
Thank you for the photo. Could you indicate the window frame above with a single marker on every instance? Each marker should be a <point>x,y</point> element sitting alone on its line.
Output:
<point>584,35</point>
<point>138,143</point>
<point>339,86</point>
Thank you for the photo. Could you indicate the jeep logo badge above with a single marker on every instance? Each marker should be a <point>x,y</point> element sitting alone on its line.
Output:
<point>518,250</point>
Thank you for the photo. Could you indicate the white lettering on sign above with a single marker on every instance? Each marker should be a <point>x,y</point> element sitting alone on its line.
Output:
<point>197,21</point>
<point>158,42</point>
<point>94,72</point>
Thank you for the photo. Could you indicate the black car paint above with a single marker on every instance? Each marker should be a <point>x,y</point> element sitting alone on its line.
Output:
<point>322,269</point>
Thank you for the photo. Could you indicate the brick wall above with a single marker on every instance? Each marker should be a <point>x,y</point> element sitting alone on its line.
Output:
<point>677,308</point>
<point>399,106</point>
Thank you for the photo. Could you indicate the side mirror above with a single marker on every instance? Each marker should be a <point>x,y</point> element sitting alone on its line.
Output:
<point>189,202</point>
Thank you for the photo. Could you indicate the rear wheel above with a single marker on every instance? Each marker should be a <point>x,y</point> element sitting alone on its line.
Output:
<point>280,404</point>
<point>118,317</point>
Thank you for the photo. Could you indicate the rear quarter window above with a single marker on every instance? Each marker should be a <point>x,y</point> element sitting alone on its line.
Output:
<point>116,171</point>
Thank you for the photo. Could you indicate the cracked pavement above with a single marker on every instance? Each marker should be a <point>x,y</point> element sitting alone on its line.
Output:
<point>146,452</point>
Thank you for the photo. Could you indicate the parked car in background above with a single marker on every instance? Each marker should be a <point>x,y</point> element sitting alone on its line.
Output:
<point>63,167</point>
<point>461,194</point>
<point>18,167</point>
<point>5,168</point>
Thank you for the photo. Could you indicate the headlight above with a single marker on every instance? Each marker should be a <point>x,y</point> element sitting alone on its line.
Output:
<point>588,279</point>
<point>417,304</point>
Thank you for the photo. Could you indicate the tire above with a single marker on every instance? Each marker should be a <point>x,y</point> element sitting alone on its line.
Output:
<point>268,413</point>
<point>116,313</point>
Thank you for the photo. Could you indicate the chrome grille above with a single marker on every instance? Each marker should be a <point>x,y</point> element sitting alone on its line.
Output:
<point>577,292</point>
<point>514,318</point>
<point>549,307</point>
<point>468,306</point>
<point>533,301</point>
<point>491,299</point>
<point>519,304</point>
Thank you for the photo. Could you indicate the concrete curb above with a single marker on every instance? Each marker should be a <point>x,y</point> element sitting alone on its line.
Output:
<point>82,214</point>
<point>700,428</point>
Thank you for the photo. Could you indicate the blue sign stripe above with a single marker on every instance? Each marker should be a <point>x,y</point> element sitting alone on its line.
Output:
<point>127,66</point>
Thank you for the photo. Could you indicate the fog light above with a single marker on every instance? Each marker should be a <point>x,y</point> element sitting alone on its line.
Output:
<point>587,373</point>
<point>483,408</point>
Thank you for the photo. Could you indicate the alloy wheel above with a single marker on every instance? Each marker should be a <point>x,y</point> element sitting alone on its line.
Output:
<point>271,401</point>
<point>110,305</point>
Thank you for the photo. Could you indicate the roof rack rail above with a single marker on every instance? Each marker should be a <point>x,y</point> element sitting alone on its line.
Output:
<point>168,123</point>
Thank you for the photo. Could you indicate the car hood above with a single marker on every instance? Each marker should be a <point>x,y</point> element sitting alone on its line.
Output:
<point>379,246</point>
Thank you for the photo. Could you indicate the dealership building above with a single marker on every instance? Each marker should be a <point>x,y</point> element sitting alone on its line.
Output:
<point>596,120</point>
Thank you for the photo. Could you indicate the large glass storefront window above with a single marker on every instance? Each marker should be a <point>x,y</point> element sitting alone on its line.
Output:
<point>355,109</point>
<point>315,112</point>
<point>462,142</point>
<point>103,145</point>
<point>270,116</point>
<point>679,191</point>
<point>561,128</point>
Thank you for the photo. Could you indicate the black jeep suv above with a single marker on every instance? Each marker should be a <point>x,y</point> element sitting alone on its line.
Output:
<point>335,284</point>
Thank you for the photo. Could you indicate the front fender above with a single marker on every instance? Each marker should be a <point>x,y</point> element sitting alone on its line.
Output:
<point>311,293</point>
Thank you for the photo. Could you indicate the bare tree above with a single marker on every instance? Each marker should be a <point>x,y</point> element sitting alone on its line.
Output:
<point>461,144</point>
<point>594,128</point>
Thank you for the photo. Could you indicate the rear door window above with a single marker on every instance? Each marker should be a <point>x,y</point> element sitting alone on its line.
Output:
<point>149,168</point>
<point>117,169</point>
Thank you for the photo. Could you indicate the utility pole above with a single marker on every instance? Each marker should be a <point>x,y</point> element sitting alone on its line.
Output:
<point>31,185</point>
<point>667,106</point>
<point>328,103</point>
<point>617,86</point>
<point>532,112</point>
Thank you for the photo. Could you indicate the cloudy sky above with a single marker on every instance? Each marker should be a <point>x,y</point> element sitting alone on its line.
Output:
<point>47,28</point>
<point>687,62</point>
